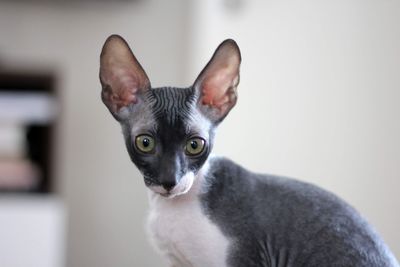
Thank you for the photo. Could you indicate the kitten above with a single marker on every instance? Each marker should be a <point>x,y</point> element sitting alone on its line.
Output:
<point>208,211</point>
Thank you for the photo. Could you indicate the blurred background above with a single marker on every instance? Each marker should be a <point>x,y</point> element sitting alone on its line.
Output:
<point>319,100</point>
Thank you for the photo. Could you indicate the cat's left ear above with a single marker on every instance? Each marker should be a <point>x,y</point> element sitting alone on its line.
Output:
<point>217,83</point>
<point>122,78</point>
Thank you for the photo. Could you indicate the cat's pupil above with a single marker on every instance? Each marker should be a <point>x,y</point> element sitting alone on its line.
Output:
<point>146,142</point>
<point>194,144</point>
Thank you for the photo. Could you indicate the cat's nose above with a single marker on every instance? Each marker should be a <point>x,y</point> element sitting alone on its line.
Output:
<point>168,185</point>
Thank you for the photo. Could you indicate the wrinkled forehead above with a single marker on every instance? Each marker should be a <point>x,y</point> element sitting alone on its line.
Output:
<point>171,110</point>
<point>172,105</point>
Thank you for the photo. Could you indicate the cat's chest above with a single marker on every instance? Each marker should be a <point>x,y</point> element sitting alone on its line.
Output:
<point>182,232</point>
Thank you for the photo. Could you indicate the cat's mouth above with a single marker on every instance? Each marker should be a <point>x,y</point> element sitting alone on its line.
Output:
<point>184,186</point>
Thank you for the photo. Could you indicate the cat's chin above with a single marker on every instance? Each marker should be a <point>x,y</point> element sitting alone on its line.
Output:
<point>162,192</point>
<point>169,195</point>
<point>183,187</point>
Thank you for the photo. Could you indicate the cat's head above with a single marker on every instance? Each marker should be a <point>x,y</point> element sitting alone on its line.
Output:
<point>168,131</point>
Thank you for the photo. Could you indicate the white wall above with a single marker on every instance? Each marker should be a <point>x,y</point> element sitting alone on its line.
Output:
<point>104,192</point>
<point>319,95</point>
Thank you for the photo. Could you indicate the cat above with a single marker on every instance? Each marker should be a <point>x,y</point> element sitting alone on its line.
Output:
<point>207,211</point>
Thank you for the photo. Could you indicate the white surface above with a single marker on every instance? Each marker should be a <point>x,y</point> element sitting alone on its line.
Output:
<point>32,231</point>
<point>26,108</point>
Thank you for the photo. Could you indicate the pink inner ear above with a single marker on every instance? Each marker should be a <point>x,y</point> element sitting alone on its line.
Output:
<point>124,88</point>
<point>121,75</point>
<point>218,88</point>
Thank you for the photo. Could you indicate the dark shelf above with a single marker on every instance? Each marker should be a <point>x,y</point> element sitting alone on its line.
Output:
<point>39,138</point>
<point>27,81</point>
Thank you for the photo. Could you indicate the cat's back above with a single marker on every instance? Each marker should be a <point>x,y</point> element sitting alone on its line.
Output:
<point>277,221</point>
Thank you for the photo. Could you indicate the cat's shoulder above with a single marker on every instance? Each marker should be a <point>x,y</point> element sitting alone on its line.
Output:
<point>221,169</point>
<point>224,175</point>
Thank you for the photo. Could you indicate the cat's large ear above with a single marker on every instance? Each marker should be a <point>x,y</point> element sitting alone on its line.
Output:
<point>122,78</point>
<point>217,83</point>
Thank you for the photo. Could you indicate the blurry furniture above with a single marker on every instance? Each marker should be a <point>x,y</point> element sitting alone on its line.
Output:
<point>32,223</point>
<point>28,109</point>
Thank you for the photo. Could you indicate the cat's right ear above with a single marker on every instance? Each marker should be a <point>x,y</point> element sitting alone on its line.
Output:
<point>121,76</point>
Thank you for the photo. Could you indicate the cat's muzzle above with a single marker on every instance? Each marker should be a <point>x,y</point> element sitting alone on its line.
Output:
<point>171,191</point>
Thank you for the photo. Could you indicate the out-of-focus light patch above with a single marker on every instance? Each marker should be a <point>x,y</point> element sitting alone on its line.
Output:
<point>233,5</point>
<point>38,108</point>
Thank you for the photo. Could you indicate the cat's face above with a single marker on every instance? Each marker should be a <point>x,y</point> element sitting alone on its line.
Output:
<point>168,131</point>
<point>169,140</point>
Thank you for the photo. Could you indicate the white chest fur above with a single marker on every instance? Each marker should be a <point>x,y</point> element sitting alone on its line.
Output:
<point>181,231</point>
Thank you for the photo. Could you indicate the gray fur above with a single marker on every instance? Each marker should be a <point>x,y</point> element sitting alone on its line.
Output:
<point>277,221</point>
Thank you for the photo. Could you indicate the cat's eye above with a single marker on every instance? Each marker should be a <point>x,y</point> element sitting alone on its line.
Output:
<point>145,143</point>
<point>194,146</point>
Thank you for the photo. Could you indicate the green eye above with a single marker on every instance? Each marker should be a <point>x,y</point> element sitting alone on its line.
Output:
<point>145,143</point>
<point>194,146</point>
